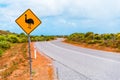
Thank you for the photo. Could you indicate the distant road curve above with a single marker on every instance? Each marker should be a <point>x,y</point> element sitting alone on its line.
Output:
<point>95,64</point>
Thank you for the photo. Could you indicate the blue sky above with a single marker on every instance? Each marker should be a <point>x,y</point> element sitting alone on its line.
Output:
<point>61,17</point>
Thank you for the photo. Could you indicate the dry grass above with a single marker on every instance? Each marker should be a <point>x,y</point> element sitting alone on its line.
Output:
<point>12,59</point>
<point>14,64</point>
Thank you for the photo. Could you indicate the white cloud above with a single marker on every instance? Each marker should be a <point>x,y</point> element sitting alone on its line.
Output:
<point>68,23</point>
<point>71,9</point>
<point>78,8</point>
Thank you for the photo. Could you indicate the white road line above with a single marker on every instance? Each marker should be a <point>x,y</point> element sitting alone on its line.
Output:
<point>97,57</point>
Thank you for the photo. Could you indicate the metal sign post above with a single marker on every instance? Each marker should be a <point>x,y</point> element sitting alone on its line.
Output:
<point>30,60</point>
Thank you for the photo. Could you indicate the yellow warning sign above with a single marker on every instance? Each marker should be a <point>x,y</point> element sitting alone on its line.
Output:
<point>28,21</point>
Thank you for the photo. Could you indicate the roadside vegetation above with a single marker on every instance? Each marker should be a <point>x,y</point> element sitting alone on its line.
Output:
<point>98,41</point>
<point>10,61</point>
<point>7,39</point>
<point>13,45</point>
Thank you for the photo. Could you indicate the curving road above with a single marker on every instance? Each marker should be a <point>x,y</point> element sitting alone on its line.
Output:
<point>93,64</point>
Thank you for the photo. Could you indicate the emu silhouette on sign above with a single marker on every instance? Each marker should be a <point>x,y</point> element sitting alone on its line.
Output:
<point>29,21</point>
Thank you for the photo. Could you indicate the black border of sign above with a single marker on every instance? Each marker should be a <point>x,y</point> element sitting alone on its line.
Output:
<point>34,15</point>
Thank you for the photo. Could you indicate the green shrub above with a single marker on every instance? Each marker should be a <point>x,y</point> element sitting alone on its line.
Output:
<point>2,38</point>
<point>4,44</point>
<point>22,40</point>
<point>91,42</point>
<point>98,41</point>
<point>13,39</point>
<point>1,52</point>
<point>77,37</point>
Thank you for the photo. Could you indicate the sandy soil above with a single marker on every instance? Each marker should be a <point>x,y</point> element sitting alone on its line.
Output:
<point>42,68</point>
<point>93,46</point>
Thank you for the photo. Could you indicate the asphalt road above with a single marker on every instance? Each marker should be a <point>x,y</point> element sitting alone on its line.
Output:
<point>94,64</point>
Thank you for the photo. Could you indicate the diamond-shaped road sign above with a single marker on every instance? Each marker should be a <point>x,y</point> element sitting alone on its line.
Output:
<point>28,21</point>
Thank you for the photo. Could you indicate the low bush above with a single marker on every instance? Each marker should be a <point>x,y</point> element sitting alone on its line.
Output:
<point>91,42</point>
<point>13,39</point>
<point>2,38</point>
<point>108,40</point>
<point>4,45</point>
<point>1,52</point>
